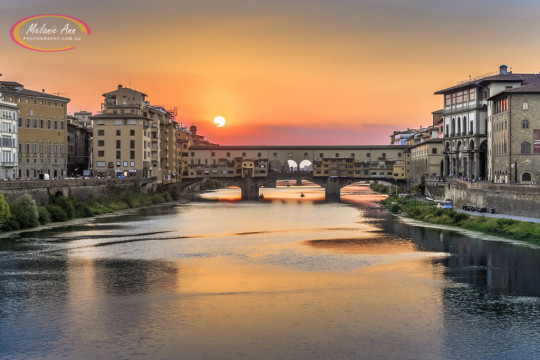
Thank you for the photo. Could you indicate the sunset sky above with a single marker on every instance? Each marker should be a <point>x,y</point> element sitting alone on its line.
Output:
<point>281,72</point>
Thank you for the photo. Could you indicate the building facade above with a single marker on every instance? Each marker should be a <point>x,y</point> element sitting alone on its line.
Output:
<point>426,159</point>
<point>42,130</point>
<point>128,139</point>
<point>9,115</point>
<point>515,135</point>
<point>79,140</point>
<point>466,124</point>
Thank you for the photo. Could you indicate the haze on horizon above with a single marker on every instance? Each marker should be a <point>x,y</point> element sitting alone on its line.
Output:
<point>301,72</point>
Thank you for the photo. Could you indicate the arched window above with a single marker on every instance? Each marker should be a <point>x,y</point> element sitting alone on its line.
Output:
<point>526,176</point>
<point>525,124</point>
<point>525,148</point>
<point>525,105</point>
<point>464,126</point>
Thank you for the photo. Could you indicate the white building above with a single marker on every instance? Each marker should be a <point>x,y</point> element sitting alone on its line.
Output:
<point>8,139</point>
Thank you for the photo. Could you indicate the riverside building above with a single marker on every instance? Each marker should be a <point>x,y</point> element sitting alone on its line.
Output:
<point>515,135</point>
<point>133,138</point>
<point>9,114</point>
<point>42,130</point>
<point>467,146</point>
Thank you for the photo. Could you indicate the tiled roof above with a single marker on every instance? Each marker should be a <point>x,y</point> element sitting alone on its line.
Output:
<point>530,88</point>
<point>5,87</point>
<point>522,78</point>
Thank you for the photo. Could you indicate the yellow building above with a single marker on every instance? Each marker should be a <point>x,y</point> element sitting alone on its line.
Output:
<point>42,130</point>
<point>127,136</point>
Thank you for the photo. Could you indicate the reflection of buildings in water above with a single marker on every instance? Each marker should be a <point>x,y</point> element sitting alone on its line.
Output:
<point>124,277</point>
<point>494,265</point>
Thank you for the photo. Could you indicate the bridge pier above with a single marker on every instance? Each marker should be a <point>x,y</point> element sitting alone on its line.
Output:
<point>250,188</point>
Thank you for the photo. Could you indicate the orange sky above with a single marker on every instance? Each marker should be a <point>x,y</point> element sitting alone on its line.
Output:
<point>280,72</point>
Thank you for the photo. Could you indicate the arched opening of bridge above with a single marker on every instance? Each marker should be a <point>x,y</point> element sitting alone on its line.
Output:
<point>275,166</point>
<point>290,166</point>
<point>305,165</point>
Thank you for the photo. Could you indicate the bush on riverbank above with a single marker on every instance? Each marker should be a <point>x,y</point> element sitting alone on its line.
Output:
<point>24,213</point>
<point>428,212</point>
<point>5,212</point>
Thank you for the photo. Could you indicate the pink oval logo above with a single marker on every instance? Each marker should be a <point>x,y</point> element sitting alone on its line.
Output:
<point>49,32</point>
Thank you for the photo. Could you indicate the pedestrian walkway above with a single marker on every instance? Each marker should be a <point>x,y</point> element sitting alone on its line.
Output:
<point>501,216</point>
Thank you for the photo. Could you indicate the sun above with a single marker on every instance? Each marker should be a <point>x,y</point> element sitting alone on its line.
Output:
<point>219,121</point>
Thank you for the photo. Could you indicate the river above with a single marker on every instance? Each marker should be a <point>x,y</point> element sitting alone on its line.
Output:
<point>289,277</point>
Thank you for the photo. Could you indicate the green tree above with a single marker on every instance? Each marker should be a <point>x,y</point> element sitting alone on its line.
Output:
<point>25,211</point>
<point>5,212</point>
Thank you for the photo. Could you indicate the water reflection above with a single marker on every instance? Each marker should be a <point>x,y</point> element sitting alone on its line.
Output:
<point>266,280</point>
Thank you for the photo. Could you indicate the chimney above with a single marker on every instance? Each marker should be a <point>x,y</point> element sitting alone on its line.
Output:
<point>503,70</point>
<point>119,86</point>
<point>43,91</point>
<point>193,129</point>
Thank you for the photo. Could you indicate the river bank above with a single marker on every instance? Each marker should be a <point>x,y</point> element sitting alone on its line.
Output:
<point>497,226</point>
<point>24,215</point>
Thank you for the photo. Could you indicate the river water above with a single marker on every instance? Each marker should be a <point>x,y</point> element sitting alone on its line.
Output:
<point>289,277</point>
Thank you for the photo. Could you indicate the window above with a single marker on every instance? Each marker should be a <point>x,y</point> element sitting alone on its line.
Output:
<point>259,155</point>
<point>56,148</point>
<point>48,124</point>
<point>34,147</point>
<point>118,144</point>
<point>27,147</point>
<point>118,154</point>
<point>213,153</point>
<point>118,163</point>
<point>383,155</point>
<point>525,148</point>
<point>101,143</point>
<point>55,124</point>
<point>434,150</point>
<point>228,154</point>
<point>27,122</point>
<point>132,144</point>
<point>125,163</point>
<point>337,154</point>
<point>101,153</point>
<point>398,154</point>
<point>526,176</point>
<point>62,148</point>
<point>62,125</point>
<point>35,123</point>
<point>525,124</point>
<point>101,163</point>
<point>132,164</point>
<point>20,122</point>
<point>368,155</point>
<point>101,132</point>
<point>118,132</point>
<point>132,154</point>
<point>41,123</point>
<point>525,105</point>
<point>472,94</point>
<point>131,132</point>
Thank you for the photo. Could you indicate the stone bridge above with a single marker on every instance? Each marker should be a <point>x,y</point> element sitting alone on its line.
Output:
<point>250,185</point>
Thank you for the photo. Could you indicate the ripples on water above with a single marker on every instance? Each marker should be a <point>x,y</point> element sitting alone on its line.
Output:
<point>292,278</point>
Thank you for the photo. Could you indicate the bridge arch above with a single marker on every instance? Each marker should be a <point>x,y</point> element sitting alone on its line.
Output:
<point>305,165</point>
